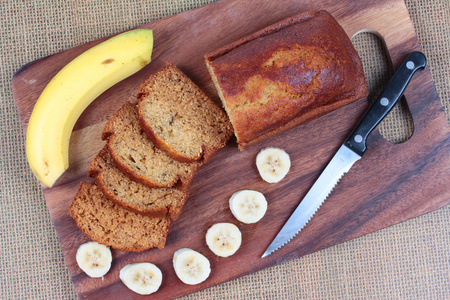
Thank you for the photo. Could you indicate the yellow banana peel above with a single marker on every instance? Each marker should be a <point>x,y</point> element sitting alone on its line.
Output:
<point>71,90</point>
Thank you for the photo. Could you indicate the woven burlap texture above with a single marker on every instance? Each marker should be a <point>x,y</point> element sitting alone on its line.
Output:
<point>408,261</point>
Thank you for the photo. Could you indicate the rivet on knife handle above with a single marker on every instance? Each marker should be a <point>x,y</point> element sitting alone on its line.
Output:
<point>385,102</point>
<point>350,152</point>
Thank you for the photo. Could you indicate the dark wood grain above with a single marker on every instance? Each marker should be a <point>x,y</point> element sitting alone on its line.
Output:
<point>391,184</point>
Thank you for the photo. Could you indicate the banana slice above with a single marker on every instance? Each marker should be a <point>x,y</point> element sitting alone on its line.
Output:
<point>94,259</point>
<point>248,206</point>
<point>224,239</point>
<point>190,266</point>
<point>141,278</point>
<point>273,164</point>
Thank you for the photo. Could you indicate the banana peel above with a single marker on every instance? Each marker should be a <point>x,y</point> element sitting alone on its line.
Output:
<point>69,93</point>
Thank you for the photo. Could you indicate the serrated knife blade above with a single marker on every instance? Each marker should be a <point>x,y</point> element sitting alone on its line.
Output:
<point>350,152</point>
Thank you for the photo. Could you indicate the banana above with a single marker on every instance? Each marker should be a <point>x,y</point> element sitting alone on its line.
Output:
<point>72,89</point>
<point>224,239</point>
<point>94,259</point>
<point>190,266</point>
<point>141,278</point>
<point>248,206</point>
<point>273,164</point>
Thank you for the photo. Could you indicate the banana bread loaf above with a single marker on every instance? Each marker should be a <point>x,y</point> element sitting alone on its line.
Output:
<point>137,157</point>
<point>285,75</point>
<point>131,194</point>
<point>112,225</point>
<point>179,118</point>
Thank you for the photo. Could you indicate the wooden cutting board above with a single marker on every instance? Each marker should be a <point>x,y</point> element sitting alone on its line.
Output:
<point>392,183</point>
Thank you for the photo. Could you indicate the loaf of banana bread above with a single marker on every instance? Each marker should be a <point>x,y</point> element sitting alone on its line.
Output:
<point>179,117</point>
<point>285,75</point>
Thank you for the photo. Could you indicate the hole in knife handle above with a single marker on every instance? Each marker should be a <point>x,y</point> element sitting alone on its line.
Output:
<point>398,125</point>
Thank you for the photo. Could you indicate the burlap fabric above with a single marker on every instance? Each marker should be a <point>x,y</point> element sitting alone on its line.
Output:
<point>407,261</point>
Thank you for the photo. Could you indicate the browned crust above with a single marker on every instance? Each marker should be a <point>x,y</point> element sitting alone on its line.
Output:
<point>263,129</point>
<point>107,242</point>
<point>108,134</point>
<point>208,151</point>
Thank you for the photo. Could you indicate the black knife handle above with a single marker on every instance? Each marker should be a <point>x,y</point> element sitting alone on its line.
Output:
<point>384,103</point>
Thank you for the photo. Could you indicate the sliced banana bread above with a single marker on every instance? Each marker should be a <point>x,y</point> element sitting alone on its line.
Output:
<point>131,194</point>
<point>179,118</point>
<point>136,156</point>
<point>112,225</point>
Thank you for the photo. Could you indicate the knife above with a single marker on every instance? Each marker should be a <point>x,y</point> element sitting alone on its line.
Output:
<point>350,152</point>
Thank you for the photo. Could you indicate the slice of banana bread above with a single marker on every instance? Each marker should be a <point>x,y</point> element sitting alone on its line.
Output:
<point>131,194</point>
<point>137,157</point>
<point>112,225</point>
<point>180,118</point>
